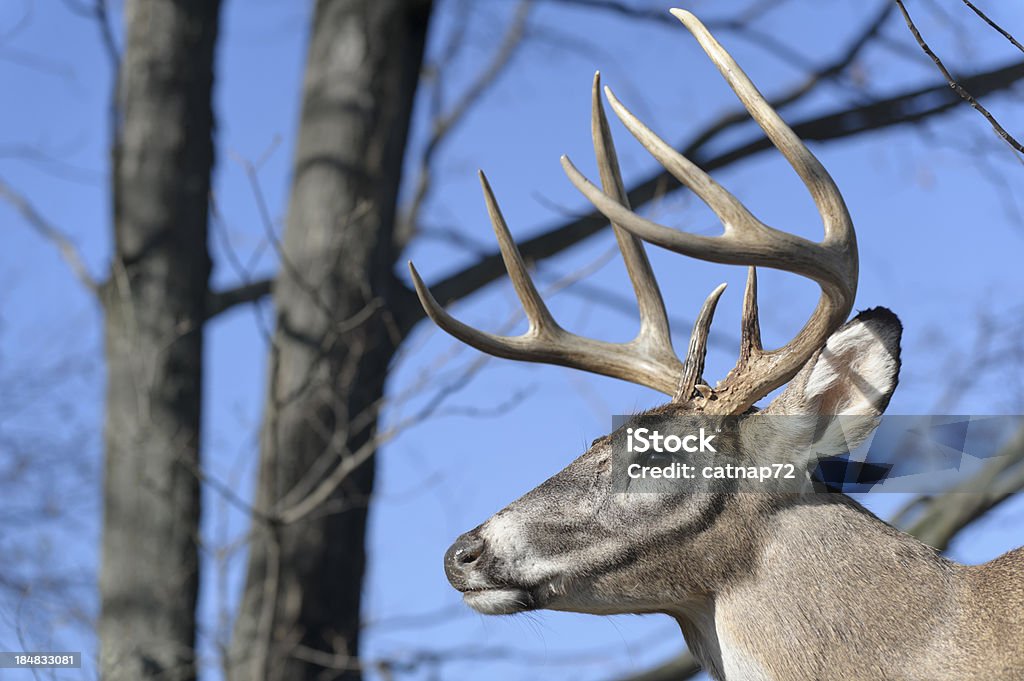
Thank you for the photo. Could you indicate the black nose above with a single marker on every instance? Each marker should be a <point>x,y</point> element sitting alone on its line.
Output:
<point>461,556</point>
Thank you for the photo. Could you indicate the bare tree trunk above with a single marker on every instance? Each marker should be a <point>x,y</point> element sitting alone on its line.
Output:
<point>334,340</point>
<point>155,304</point>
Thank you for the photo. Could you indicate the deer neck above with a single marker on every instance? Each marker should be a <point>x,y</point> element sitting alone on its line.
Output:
<point>829,581</point>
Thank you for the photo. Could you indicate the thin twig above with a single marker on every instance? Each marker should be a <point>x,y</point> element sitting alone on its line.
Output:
<point>219,302</point>
<point>268,610</point>
<point>955,85</point>
<point>655,16</point>
<point>1002,31</point>
<point>248,290</point>
<point>443,123</point>
<point>67,248</point>
<point>660,16</point>
<point>101,12</point>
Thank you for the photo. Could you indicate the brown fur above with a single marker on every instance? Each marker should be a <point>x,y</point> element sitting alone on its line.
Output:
<point>839,594</point>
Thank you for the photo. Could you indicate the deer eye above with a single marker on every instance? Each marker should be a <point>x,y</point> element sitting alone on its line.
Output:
<point>658,457</point>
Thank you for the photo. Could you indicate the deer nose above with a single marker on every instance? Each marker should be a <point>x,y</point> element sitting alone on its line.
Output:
<point>461,556</point>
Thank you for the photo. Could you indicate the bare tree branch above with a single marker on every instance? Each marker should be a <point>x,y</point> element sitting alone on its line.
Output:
<point>741,26</point>
<point>682,666</point>
<point>1002,31</point>
<point>250,292</point>
<point>659,14</point>
<point>50,162</point>
<point>957,86</point>
<point>947,514</point>
<point>68,250</point>
<point>656,15</point>
<point>99,11</point>
<point>444,122</point>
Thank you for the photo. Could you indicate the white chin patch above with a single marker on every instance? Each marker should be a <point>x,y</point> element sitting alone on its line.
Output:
<point>498,601</point>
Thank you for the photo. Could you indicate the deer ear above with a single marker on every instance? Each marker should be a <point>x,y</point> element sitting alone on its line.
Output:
<point>854,375</point>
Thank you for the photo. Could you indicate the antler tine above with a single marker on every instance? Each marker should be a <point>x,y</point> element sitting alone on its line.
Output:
<point>696,353</point>
<point>832,263</point>
<point>750,331</point>
<point>754,245</point>
<point>654,326</point>
<point>727,207</point>
<point>541,321</point>
<point>827,198</point>
<point>646,360</point>
<point>492,344</point>
<point>750,380</point>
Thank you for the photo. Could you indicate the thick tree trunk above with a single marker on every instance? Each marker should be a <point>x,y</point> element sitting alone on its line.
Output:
<point>334,339</point>
<point>155,307</point>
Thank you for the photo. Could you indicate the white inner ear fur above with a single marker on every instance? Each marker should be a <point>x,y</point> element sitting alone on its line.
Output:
<point>854,374</point>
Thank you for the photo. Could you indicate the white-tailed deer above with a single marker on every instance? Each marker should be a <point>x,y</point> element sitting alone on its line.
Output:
<point>778,586</point>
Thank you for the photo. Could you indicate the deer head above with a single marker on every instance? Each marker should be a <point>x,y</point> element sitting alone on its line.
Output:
<point>576,542</point>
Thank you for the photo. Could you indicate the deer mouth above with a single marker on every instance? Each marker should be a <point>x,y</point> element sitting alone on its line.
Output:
<point>502,600</point>
<point>470,569</point>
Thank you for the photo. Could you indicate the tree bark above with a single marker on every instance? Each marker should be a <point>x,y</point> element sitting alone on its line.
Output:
<point>333,342</point>
<point>155,305</point>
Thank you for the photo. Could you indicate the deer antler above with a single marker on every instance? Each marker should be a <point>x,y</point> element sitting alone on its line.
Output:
<point>649,358</point>
<point>832,263</point>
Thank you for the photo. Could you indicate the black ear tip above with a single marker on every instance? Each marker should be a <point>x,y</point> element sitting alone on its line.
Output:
<point>880,315</point>
<point>885,325</point>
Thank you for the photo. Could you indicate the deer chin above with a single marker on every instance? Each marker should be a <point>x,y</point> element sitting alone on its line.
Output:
<point>500,600</point>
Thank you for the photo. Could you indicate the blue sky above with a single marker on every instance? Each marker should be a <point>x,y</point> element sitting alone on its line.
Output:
<point>938,222</point>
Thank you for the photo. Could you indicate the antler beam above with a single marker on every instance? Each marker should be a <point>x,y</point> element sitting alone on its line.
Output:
<point>832,263</point>
<point>649,358</point>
